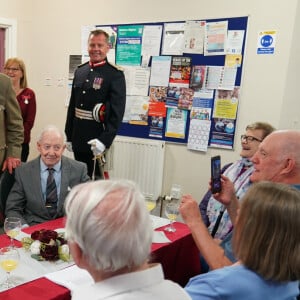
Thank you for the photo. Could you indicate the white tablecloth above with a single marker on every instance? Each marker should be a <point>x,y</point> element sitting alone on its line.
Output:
<point>30,269</point>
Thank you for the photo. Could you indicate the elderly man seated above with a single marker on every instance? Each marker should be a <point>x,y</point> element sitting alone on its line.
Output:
<point>277,159</point>
<point>41,185</point>
<point>110,234</point>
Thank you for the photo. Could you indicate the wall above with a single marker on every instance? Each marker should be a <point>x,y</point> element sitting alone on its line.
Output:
<point>290,117</point>
<point>49,31</point>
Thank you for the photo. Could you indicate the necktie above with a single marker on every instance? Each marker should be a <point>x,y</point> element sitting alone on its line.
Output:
<point>51,194</point>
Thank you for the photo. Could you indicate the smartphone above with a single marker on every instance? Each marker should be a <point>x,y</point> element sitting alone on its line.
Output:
<point>216,174</point>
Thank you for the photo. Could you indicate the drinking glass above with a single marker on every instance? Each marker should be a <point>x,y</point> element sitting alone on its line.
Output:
<point>176,191</point>
<point>12,227</point>
<point>150,202</point>
<point>9,260</point>
<point>171,211</point>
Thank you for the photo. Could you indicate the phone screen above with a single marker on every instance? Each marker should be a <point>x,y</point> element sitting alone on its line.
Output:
<point>216,174</point>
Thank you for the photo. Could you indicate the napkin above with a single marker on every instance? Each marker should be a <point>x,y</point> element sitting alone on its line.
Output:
<point>160,237</point>
<point>158,221</point>
<point>70,277</point>
<point>21,235</point>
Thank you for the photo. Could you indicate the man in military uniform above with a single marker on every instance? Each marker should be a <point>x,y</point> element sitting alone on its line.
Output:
<point>97,104</point>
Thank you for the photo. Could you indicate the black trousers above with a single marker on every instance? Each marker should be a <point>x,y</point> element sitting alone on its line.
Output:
<point>25,152</point>
<point>88,158</point>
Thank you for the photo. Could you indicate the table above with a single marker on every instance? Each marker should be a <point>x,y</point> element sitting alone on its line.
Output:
<point>180,261</point>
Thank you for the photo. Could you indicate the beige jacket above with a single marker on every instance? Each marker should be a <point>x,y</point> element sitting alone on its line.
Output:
<point>11,122</point>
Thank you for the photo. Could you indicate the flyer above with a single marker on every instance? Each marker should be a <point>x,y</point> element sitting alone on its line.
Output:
<point>180,73</point>
<point>215,38</point>
<point>176,123</point>
<point>129,45</point>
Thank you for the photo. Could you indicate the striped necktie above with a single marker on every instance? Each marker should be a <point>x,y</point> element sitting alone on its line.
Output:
<point>51,194</point>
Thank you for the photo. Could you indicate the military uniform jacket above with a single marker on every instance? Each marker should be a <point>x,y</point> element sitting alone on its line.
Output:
<point>92,85</point>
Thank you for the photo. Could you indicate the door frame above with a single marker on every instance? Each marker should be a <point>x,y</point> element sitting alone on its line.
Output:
<point>10,26</point>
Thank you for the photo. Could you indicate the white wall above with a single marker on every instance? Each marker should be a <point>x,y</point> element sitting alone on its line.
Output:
<point>290,116</point>
<point>49,31</point>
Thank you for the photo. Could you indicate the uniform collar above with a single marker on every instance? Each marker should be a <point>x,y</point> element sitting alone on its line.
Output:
<point>98,64</point>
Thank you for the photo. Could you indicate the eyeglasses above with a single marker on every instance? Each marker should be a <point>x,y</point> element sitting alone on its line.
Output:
<point>249,138</point>
<point>11,69</point>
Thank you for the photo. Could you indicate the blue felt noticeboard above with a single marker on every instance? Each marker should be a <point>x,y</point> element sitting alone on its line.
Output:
<point>141,131</point>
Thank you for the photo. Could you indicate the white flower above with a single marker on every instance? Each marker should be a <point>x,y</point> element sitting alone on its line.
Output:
<point>64,252</point>
<point>64,249</point>
<point>35,247</point>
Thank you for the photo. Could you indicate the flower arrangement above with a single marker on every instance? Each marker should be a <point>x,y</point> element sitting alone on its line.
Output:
<point>47,245</point>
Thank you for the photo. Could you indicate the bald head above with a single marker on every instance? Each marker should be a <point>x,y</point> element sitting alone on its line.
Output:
<point>287,143</point>
<point>278,158</point>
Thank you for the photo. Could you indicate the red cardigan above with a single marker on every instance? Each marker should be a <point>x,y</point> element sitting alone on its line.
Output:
<point>27,104</point>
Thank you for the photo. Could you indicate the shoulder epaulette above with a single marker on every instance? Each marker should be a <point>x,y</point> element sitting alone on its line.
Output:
<point>83,64</point>
<point>119,68</point>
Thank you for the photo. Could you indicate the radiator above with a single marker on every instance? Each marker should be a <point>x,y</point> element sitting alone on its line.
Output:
<point>140,160</point>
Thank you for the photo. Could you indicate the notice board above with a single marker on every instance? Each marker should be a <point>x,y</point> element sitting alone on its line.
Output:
<point>183,78</point>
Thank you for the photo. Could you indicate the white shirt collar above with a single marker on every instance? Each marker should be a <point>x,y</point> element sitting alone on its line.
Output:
<point>44,168</point>
<point>121,284</point>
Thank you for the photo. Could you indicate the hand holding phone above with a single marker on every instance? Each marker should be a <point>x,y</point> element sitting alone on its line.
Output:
<point>216,174</point>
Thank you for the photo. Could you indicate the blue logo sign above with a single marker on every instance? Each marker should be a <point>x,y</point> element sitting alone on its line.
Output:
<point>266,41</point>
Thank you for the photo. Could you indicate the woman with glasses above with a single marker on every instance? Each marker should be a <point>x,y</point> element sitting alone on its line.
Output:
<point>213,213</point>
<point>15,69</point>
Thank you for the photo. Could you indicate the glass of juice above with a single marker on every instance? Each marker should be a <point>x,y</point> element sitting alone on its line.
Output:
<point>9,260</point>
<point>12,227</point>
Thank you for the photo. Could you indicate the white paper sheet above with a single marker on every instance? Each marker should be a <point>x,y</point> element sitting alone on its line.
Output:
<point>159,222</point>
<point>21,235</point>
<point>71,277</point>
<point>160,237</point>
<point>160,70</point>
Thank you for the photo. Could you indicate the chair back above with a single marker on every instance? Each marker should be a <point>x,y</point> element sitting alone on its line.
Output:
<point>6,182</point>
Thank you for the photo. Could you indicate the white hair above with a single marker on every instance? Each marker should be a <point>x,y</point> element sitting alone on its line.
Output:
<point>109,221</point>
<point>54,129</point>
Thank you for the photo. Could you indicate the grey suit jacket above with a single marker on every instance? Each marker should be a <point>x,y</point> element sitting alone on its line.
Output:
<point>25,199</point>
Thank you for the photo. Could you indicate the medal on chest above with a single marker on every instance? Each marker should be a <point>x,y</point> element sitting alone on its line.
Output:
<point>25,100</point>
<point>97,83</point>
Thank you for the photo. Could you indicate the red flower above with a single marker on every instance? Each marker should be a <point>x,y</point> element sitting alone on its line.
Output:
<point>50,242</point>
<point>49,252</point>
<point>44,236</point>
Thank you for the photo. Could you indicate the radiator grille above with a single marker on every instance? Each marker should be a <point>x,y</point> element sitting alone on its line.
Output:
<point>139,160</point>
